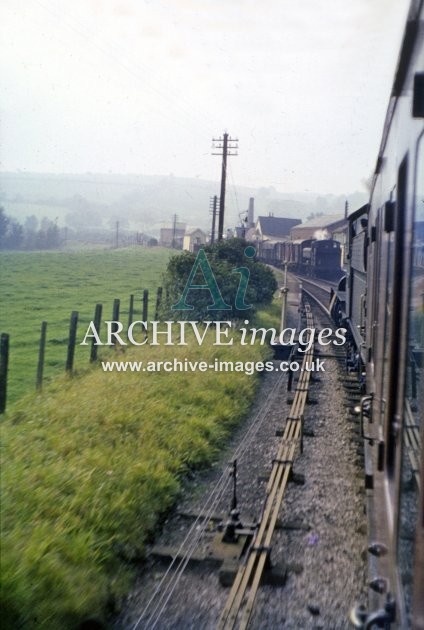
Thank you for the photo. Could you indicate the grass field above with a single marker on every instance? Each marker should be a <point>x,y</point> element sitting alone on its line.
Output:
<point>91,464</point>
<point>37,286</point>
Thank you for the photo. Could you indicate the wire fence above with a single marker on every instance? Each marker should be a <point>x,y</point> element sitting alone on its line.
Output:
<point>69,359</point>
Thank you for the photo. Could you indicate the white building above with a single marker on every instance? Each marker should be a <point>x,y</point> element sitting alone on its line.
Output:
<point>193,240</point>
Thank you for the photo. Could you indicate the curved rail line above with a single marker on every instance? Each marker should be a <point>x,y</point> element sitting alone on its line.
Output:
<point>323,289</point>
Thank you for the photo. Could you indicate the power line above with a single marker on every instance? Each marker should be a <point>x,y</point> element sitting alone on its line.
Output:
<point>168,583</point>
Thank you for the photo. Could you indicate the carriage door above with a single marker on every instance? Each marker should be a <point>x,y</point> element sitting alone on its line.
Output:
<point>411,513</point>
<point>397,295</point>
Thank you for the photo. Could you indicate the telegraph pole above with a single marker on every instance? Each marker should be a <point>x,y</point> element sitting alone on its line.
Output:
<point>174,230</point>
<point>226,145</point>
<point>213,206</point>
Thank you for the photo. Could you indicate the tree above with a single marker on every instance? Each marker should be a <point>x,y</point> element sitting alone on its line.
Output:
<point>30,231</point>
<point>11,232</point>
<point>15,235</point>
<point>4,225</point>
<point>31,223</point>
<point>47,236</point>
<point>223,258</point>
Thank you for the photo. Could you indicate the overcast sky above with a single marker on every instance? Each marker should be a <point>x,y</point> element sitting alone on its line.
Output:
<point>142,86</point>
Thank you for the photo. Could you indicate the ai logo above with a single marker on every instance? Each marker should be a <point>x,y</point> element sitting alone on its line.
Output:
<point>211,284</point>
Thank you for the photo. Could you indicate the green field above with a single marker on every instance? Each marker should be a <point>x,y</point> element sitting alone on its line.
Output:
<point>92,463</point>
<point>37,286</point>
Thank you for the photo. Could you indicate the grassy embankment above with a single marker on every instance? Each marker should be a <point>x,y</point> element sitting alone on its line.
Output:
<point>89,467</point>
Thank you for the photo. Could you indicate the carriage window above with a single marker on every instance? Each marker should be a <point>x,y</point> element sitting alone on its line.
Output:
<point>414,391</point>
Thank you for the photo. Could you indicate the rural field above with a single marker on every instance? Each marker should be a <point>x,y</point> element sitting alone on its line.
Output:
<point>91,464</point>
<point>37,286</point>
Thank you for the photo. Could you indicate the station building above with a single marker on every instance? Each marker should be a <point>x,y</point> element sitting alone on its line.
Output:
<point>321,227</point>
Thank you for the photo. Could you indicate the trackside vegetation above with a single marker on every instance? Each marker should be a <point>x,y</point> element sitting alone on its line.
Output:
<point>91,465</point>
<point>228,262</point>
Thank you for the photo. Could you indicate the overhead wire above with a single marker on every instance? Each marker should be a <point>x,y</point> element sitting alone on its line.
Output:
<point>224,481</point>
<point>183,564</point>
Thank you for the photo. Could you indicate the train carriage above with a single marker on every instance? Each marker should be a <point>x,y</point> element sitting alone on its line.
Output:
<point>383,307</point>
<point>310,257</point>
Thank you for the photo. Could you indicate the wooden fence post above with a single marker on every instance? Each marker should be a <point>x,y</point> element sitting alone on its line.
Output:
<point>131,310</point>
<point>145,309</point>
<point>158,301</point>
<point>41,351</point>
<point>72,339</point>
<point>115,316</point>
<point>97,325</point>
<point>145,304</point>
<point>115,310</point>
<point>4,362</point>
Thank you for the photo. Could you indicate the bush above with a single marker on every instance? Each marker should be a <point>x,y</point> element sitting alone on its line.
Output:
<point>223,259</point>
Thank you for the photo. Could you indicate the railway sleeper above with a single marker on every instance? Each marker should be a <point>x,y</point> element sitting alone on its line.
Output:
<point>309,433</point>
<point>227,556</point>
<point>297,478</point>
<point>308,401</point>
<point>273,574</point>
<point>216,548</point>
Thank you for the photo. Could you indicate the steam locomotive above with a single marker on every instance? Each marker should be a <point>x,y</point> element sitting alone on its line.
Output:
<point>381,303</point>
<point>311,257</point>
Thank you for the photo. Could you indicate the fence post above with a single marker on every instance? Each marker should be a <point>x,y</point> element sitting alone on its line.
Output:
<point>131,310</point>
<point>158,301</point>
<point>97,324</point>
<point>115,310</point>
<point>72,339</point>
<point>145,309</point>
<point>145,304</point>
<point>41,351</point>
<point>115,316</point>
<point>4,362</point>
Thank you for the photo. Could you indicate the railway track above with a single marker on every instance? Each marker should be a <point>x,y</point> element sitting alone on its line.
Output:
<point>151,616</point>
<point>240,603</point>
<point>319,291</point>
<point>250,575</point>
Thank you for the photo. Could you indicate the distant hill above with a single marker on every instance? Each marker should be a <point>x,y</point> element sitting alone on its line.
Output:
<point>145,202</point>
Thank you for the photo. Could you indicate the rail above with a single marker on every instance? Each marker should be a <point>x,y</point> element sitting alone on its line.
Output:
<point>241,599</point>
<point>318,288</point>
